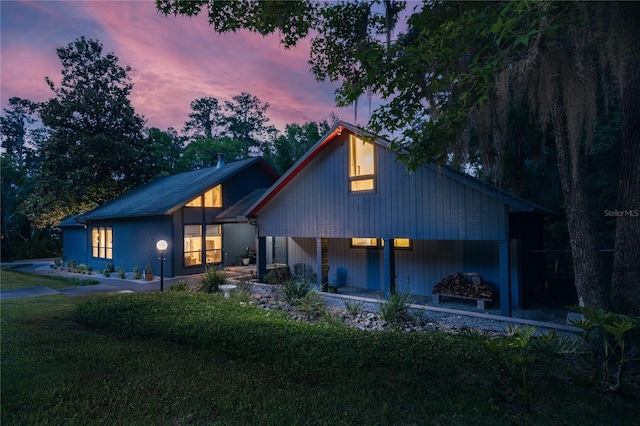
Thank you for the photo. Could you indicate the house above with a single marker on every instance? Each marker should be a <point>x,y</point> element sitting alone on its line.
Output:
<point>199,213</point>
<point>353,216</point>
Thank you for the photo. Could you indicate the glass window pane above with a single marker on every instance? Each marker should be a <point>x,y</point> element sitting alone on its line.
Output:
<point>213,197</point>
<point>364,242</point>
<point>192,245</point>
<point>402,242</point>
<point>362,185</point>
<point>196,202</point>
<point>361,158</point>
<point>95,241</point>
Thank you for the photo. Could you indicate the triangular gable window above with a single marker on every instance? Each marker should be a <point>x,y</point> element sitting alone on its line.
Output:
<point>211,198</point>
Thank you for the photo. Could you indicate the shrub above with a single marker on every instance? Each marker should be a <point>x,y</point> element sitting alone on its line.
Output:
<point>277,276</point>
<point>292,291</point>
<point>212,278</point>
<point>524,358</point>
<point>71,265</point>
<point>181,285</point>
<point>81,268</point>
<point>396,309</point>
<point>137,273</point>
<point>619,343</point>
<point>109,267</point>
<point>312,303</point>
<point>121,273</point>
<point>353,307</point>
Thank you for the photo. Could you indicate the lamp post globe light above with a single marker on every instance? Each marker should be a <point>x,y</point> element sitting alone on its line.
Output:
<point>162,245</point>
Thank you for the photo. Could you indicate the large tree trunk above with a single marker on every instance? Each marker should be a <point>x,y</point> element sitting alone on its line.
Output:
<point>625,280</point>
<point>587,264</point>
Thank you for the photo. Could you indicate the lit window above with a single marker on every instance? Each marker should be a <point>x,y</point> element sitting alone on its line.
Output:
<point>399,243</point>
<point>362,165</point>
<point>102,242</point>
<point>192,245</point>
<point>402,243</point>
<point>364,242</point>
<point>213,240</point>
<point>212,198</point>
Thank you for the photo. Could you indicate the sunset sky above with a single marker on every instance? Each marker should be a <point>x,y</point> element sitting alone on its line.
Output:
<point>174,60</point>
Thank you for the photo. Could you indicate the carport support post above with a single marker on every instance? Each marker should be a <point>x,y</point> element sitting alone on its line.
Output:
<point>261,258</point>
<point>389,268</point>
<point>505,285</point>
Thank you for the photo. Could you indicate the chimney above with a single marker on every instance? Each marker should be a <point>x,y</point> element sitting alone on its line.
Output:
<point>220,161</point>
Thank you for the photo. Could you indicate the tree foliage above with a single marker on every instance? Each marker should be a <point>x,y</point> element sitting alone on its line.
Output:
<point>95,150</point>
<point>205,119</point>
<point>247,120</point>
<point>286,149</point>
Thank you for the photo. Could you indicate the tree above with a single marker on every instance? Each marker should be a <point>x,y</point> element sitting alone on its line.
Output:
<point>447,85</point>
<point>202,153</point>
<point>286,149</point>
<point>164,151</point>
<point>15,131</point>
<point>205,119</point>
<point>96,150</point>
<point>246,121</point>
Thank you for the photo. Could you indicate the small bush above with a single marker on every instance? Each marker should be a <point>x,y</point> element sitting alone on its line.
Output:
<point>121,273</point>
<point>292,291</point>
<point>81,268</point>
<point>396,309</point>
<point>312,303</point>
<point>277,276</point>
<point>109,267</point>
<point>137,273</point>
<point>212,279</point>
<point>181,285</point>
<point>353,307</point>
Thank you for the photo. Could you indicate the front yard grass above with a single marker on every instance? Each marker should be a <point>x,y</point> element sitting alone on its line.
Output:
<point>193,358</point>
<point>11,279</point>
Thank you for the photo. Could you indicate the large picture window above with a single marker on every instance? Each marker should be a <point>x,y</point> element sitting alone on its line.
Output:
<point>211,198</point>
<point>102,242</point>
<point>362,165</point>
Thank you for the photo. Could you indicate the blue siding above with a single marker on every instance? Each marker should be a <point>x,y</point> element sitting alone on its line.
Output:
<point>74,244</point>
<point>425,205</point>
<point>134,244</point>
<point>418,270</point>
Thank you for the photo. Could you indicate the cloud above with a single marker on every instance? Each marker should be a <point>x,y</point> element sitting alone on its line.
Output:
<point>174,59</point>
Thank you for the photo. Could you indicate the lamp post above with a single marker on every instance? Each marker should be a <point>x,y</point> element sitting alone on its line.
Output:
<point>162,245</point>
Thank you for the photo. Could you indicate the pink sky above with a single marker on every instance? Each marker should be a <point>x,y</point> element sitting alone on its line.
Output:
<point>174,60</point>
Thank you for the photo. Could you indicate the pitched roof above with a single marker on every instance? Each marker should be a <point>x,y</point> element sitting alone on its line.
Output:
<point>165,195</point>
<point>337,129</point>
<point>236,212</point>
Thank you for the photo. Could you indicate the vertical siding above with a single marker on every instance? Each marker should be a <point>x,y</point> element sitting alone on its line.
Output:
<point>134,244</point>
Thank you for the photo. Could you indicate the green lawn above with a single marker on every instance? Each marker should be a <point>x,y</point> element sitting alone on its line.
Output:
<point>10,279</point>
<point>191,358</point>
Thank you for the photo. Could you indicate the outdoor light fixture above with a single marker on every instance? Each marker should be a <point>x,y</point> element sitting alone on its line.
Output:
<point>162,245</point>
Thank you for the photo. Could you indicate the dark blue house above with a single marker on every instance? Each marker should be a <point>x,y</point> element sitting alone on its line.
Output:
<point>353,215</point>
<point>199,213</point>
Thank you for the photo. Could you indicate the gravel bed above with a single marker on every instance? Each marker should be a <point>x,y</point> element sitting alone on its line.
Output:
<point>461,316</point>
